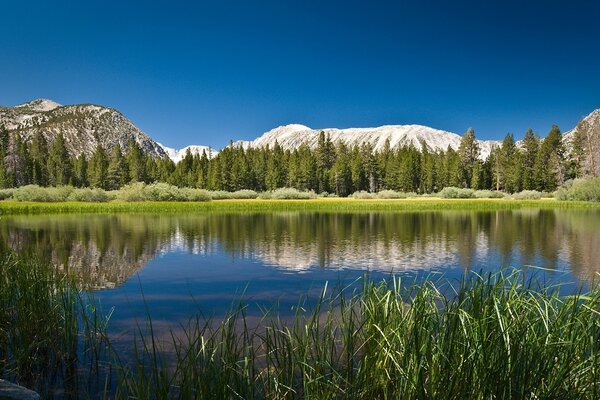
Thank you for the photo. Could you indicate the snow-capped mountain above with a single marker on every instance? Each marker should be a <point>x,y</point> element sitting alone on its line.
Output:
<point>83,126</point>
<point>177,155</point>
<point>292,136</point>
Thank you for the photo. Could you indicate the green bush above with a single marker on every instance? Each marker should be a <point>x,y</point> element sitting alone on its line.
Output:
<point>327,195</point>
<point>488,194</point>
<point>37,193</point>
<point>244,194</point>
<point>89,195</point>
<point>581,190</point>
<point>287,194</point>
<point>195,194</point>
<point>363,195</point>
<point>219,195</point>
<point>6,193</point>
<point>456,193</point>
<point>138,191</point>
<point>239,194</point>
<point>133,192</point>
<point>165,192</point>
<point>392,194</point>
<point>527,195</point>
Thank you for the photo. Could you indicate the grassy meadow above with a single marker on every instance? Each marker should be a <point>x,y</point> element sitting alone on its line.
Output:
<point>9,207</point>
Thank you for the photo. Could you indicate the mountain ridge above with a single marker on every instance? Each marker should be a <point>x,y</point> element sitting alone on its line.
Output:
<point>87,125</point>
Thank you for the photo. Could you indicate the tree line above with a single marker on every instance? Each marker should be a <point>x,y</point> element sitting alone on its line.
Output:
<point>537,164</point>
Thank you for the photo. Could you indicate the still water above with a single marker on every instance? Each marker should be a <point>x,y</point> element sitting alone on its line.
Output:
<point>174,266</point>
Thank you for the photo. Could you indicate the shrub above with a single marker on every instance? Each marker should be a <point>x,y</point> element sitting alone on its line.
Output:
<point>581,190</point>
<point>561,194</point>
<point>392,194</point>
<point>37,193</point>
<point>238,194</point>
<point>164,192</point>
<point>195,194</point>
<point>138,191</point>
<point>327,195</point>
<point>6,193</point>
<point>89,195</point>
<point>363,195</point>
<point>244,194</point>
<point>287,194</point>
<point>457,193</point>
<point>219,195</point>
<point>133,192</point>
<point>527,195</point>
<point>488,194</point>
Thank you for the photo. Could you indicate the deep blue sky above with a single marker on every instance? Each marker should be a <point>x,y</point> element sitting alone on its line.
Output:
<point>206,72</point>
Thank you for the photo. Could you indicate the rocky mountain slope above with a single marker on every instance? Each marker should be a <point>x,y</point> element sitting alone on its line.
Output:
<point>589,130</point>
<point>292,136</point>
<point>83,126</point>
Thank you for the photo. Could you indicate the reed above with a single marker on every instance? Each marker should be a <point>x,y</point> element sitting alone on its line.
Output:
<point>498,336</point>
<point>486,337</point>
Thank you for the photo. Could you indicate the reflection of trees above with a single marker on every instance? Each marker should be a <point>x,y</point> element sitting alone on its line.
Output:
<point>105,250</point>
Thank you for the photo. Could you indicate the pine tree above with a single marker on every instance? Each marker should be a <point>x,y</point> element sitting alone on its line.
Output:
<point>60,169</point>
<point>4,137</point>
<point>531,146</point>
<point>98,169</point>
<point>340,175</point>
<point>117,175</point>
<point>136,162</point>
<point>357,166</point>
<point>39,159</point>
<point>325,155</point>
<point>550,163</point>
<point>80,172</point>
<point>468,153</point>
<point>510,168</point>
<point>307,170</point>
<point>276,174</point>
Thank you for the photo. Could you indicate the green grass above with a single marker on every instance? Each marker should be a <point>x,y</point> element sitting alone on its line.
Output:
<point>486,337</point>
<point>8,207</point>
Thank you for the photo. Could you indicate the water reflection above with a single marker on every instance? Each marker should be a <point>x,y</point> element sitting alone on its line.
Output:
<point>106,250</point>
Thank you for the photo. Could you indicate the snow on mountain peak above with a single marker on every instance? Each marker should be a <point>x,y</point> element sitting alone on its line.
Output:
<point>292,136</point>
<point>40,105</point>
<point>177,154</point>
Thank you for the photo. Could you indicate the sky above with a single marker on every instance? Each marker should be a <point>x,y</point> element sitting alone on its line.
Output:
<point>206,72</point>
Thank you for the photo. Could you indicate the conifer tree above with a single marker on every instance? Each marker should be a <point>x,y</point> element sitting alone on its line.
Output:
<point>531,146</point>
<point>468,153</point>
<point>80,171</point>
<point>550,167</point>
<point>117,174</point>
<point>60,169</point>
<point>276,174</point>
<point>98,169</point>
<point>325,155</point>
<point>39,159</point>
<point>510,168</point>
<point>4,179</point>
<point>341,172</point>
<point>136,162</point>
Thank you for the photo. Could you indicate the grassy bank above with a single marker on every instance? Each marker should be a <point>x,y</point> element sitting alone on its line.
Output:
<point>485,337</point>
<point>8,207</point>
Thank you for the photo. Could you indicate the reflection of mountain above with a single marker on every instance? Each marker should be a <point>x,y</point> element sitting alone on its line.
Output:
<point>105,251</point>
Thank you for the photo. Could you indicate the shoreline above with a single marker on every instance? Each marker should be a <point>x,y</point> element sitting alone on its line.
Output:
<point>341,205</point>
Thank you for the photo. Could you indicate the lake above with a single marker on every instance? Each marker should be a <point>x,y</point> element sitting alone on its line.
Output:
<point>174,266</point>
